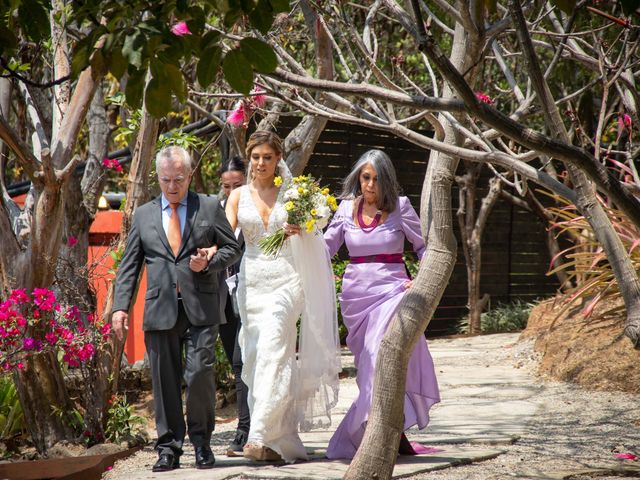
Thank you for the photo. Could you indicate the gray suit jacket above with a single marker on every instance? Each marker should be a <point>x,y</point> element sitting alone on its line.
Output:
<point>206,224</point>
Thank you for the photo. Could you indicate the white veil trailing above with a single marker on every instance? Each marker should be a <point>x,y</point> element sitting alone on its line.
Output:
<point>319,345</point>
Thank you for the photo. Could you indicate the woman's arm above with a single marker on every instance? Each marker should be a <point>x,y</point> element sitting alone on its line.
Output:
<point>411,226</point>
<point>334,234</point>
<point>231,212</point>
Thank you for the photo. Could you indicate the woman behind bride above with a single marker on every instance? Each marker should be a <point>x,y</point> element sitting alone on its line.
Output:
<point>285,390</point>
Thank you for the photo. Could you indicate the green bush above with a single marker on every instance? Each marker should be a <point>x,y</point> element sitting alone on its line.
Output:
<point>122,423</point>
<point>11,417</point>
<point>505,317</point>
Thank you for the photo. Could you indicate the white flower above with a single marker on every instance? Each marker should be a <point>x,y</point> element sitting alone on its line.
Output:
<point>323,211</point>
<point>291,194</point>
<point>319,199</point>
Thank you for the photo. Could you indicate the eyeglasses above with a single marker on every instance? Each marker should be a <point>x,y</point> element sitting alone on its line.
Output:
<point>176,181</point>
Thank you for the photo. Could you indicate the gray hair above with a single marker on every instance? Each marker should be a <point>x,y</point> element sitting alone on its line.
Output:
<point>168,153</point>
<point>388,186</point>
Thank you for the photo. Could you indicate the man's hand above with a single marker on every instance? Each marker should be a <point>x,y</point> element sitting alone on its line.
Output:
<point>120,323</point>
<point>200,261</point>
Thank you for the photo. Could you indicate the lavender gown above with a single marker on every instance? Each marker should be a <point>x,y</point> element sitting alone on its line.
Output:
<point>371,293</point>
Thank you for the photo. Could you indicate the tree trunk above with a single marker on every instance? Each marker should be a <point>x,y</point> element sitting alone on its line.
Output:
<point>378,451</point>
<point>586,202</point>
<point>137,194</point>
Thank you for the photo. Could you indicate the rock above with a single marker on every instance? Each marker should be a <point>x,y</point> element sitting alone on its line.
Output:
<point>65,450</point>
<point>103,449</point>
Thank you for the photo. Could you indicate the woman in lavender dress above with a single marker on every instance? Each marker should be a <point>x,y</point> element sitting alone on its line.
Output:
<point>373,221</point>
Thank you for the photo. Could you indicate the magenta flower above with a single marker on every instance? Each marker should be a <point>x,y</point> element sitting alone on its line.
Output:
<point>237,116</point>
<point>626,456</point>
<point>29,343</point>
<point>44,298</point>
<point>19,295</point>
<point>72,241</point>
<point>484,98</point>
<point>258,96</point>
<point>51,338</point>
<point>180,29</point>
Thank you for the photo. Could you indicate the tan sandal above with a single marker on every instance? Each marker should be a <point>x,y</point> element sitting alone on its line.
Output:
<point>260,453</point>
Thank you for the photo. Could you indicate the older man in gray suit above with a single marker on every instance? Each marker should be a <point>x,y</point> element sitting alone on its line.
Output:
<point>181,312</point>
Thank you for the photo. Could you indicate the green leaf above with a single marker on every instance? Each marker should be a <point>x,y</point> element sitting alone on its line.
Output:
<point>208,66</point>
<point>280,5</point>
<point>34,19</point>
<point>210,40</point>
<point>117,63</point>
<point>237,71</point>
<point>491,5</point>
<point>630,6</point>
<point>157,98</point>
<point>261,17</point>
<point>98,62</point>
<point>8,40</point>
<point>133,48</point>
<point>259,54</point>
<point>566,6</point>
<point>134,88</point>
<point>175,79</point>
<point>80,57</point>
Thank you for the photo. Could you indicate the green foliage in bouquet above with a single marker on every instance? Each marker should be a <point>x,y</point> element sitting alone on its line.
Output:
<point>307,205</point>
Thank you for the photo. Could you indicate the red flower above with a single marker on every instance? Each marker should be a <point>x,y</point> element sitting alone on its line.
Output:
<point>71,241</point>
<point>237,116</point>
<point>484,98</point>
<point>626,456</point>
<point>258,97</point>
<point>180,29</point>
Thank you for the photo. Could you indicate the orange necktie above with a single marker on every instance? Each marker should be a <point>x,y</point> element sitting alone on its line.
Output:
<point>173,232</point>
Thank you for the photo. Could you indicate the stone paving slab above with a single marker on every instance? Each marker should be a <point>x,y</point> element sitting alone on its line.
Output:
<point>406,466</point>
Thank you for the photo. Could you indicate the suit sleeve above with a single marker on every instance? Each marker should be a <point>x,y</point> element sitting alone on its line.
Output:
<point>129,269</point>
<point>228,249</point>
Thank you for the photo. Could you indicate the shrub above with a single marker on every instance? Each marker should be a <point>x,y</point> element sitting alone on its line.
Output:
<point>505,317</point>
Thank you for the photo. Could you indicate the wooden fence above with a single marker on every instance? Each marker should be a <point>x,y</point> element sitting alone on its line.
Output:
<point>514,257</point>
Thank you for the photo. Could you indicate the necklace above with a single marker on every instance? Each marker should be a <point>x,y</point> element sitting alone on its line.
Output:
<point>374,223</point>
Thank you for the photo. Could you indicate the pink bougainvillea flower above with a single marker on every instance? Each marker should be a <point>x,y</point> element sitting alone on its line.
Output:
<point>19,295</point>
<point>51,338</point>
<point>237,116</point>
<point>258,96</point>
<point>626,456</point>
<point>44,298</point>
<point>484,98</point>
<point>180,29</point>
<point>72,241</point>
<point>106,162</point>
<point>624,124</point>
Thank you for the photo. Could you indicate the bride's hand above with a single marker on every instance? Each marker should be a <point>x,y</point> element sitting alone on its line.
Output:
<point>407,284</point>
<point>290,229</point>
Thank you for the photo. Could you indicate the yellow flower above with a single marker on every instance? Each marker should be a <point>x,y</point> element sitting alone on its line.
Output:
<point>277,181</point>
<point>300,190</point>
<point>325,191</point>
<point>310,224</point>
<point>289,206</point>
<point>313,212</point>
<point>331,201</point>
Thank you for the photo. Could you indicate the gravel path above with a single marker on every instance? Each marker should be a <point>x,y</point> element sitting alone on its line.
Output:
<point>575,430</point>
<point>572,430</point>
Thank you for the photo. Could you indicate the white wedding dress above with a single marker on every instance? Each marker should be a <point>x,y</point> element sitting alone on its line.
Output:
<point>270,300</point>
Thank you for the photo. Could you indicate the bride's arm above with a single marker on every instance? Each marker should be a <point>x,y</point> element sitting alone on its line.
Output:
<point>231,208</point>
<point>231,211</point>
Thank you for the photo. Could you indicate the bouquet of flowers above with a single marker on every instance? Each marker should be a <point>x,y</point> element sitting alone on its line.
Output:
<point>307,205</point>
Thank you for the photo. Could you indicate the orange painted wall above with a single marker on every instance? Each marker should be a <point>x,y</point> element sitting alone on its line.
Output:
<point>103,231</point>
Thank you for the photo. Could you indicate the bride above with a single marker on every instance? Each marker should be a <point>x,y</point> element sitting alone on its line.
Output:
<point>286,391</point>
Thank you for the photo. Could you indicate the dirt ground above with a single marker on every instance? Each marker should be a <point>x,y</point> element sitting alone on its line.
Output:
<point>591,352</point>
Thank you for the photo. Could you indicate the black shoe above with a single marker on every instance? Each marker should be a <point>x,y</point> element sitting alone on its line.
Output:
<point>235,448</point>
<point>204,457</point>
<point>166,462</point>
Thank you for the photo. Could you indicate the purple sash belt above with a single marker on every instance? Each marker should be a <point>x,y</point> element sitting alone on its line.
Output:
<point>381,258</point>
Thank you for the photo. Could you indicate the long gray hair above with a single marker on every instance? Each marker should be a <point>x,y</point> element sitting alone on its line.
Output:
<point>388,187</point>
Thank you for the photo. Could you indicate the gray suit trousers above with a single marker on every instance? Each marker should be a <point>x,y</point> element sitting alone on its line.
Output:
<point>185,350</point>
